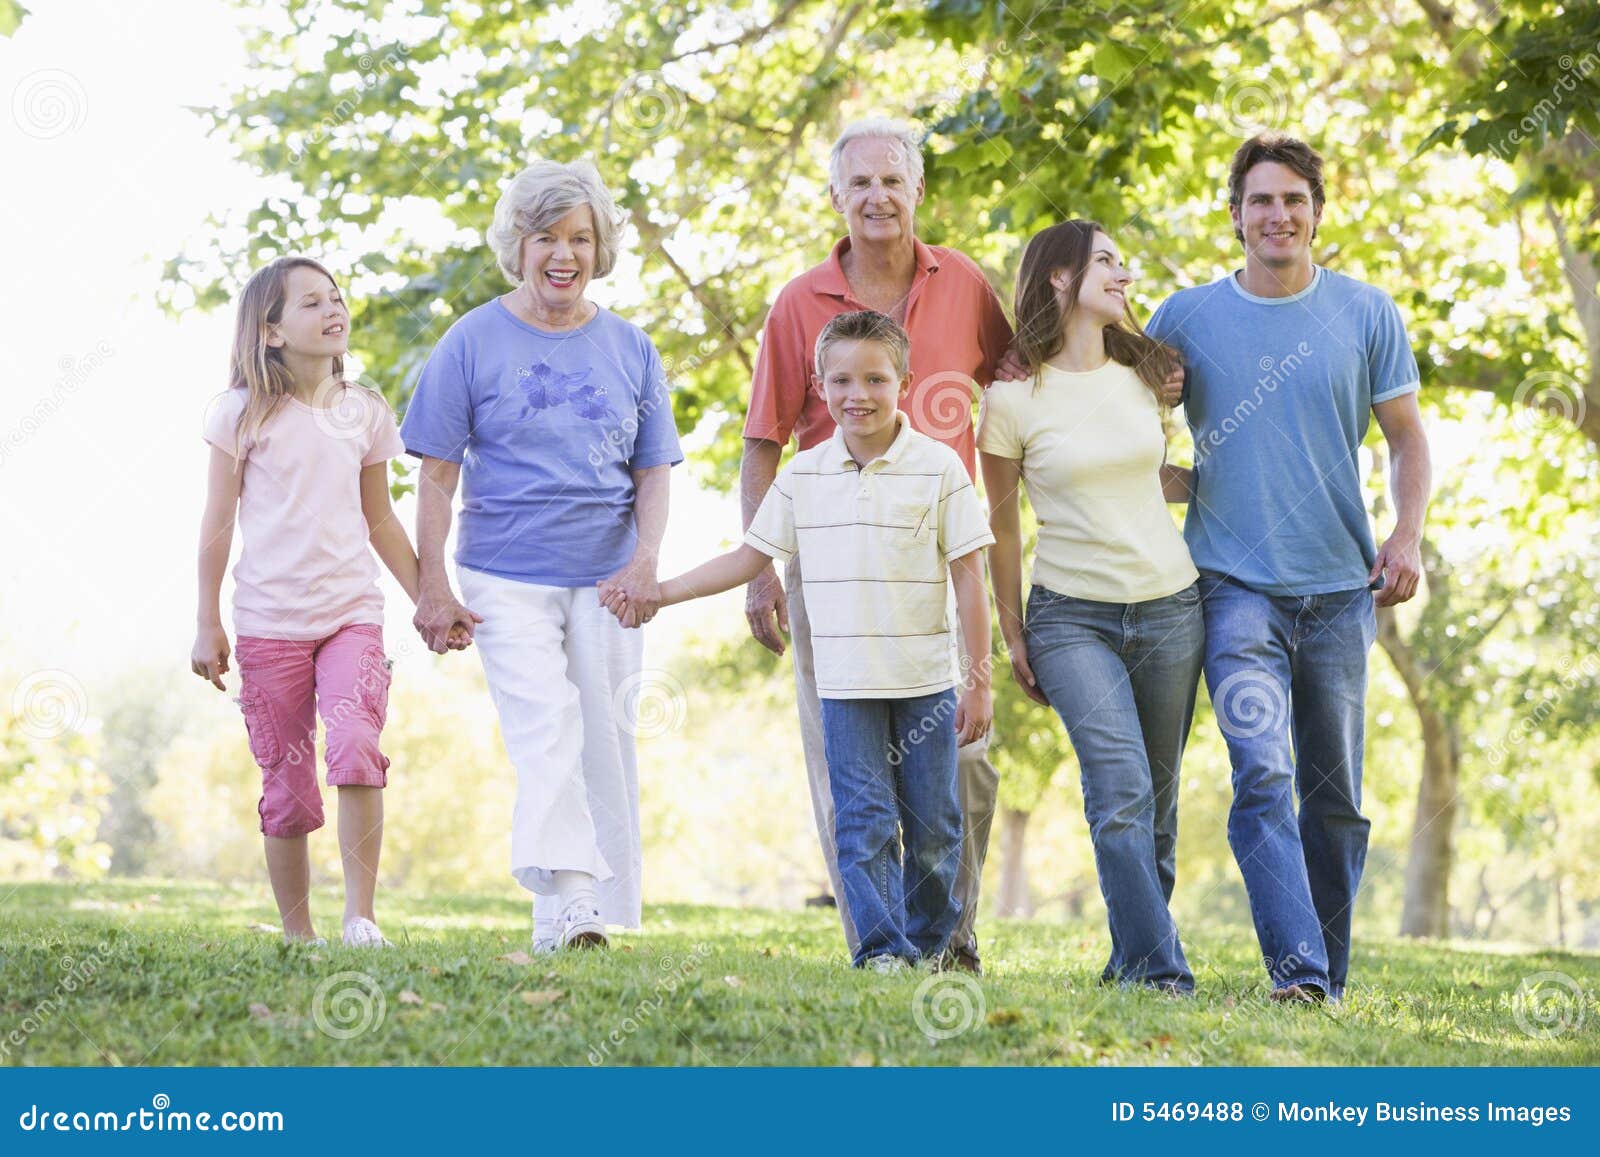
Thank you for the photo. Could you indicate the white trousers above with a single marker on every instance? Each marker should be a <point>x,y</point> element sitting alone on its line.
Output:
<point>562,672</point>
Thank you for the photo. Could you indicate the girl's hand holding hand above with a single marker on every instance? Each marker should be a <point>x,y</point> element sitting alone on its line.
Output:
<point>209,659</point>
<point>459,638</point>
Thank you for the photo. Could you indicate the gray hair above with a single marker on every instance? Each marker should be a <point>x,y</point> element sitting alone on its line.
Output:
<point>541,195</point>
<point>903,133</point>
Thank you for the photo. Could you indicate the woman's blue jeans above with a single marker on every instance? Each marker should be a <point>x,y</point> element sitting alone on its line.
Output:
<point>892,771</point>
<point>1123,678</point>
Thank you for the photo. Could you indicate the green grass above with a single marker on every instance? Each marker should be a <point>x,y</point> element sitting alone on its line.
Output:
<point>158,973</point>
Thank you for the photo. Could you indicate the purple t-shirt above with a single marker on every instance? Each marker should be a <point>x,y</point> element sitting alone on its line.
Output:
<point>547,428</point>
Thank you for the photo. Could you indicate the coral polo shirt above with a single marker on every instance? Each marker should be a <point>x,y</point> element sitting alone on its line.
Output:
<point>958,333</point>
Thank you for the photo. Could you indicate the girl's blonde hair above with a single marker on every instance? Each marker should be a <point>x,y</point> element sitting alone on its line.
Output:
<point>255,366</point>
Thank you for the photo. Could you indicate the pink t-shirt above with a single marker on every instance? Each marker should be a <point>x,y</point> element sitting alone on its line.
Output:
<point>306,569</point>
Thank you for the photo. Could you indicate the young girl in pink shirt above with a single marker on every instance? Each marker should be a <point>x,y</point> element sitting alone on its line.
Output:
<point>302,455</point>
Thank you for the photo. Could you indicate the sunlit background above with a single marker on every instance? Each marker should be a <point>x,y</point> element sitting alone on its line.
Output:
<point>123,762</point>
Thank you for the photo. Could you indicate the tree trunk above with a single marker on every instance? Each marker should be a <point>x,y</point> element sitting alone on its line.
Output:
<point>1014,899</point>
<point>1426,908</point>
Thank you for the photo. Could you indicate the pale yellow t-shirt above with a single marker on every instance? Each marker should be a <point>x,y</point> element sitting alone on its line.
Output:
<point>1091,448</point>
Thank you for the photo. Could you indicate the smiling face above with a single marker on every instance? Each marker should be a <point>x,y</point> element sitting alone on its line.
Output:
<point>1276,217</point>
<point>875,192</point>
<point>558,261</point>
<point>315,322</point>
<point>1103,290</point>
<point>862,389</point>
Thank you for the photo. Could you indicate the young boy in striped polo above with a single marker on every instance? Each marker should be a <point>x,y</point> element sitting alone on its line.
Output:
<point>884,519</point>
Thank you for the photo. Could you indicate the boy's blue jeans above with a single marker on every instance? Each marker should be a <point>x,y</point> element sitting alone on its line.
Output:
<point>1123,678</point>
<point>892,771</point>
<point>1288,680</point>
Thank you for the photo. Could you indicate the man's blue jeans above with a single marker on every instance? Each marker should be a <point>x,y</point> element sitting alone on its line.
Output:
<point>1123,678</point>
<point>1288,680</point>
<point>892,772</point>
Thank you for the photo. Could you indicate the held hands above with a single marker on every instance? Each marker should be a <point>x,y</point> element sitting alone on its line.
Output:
<point>443,622</point>
<point>209,659</point>
<point>632,594</point>
<point>1400,562</point>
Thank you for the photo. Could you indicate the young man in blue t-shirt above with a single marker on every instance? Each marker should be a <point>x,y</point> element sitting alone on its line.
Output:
<point>1286,363</point>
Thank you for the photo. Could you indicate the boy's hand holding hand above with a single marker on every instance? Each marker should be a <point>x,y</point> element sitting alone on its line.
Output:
<point>974,711</point>
<point>209,659</point>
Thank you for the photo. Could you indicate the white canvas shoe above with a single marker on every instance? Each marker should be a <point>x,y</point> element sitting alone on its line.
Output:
<point>581,926</point>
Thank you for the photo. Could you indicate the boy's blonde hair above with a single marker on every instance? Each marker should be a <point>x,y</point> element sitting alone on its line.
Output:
<point>866,325</point>
<point>255,366</point>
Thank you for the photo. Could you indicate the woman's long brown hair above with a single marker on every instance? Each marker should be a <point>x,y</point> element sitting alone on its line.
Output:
<point>1041,322</point>
<point>255,366</point>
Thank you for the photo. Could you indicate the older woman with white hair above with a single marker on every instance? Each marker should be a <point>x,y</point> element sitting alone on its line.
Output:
<point>553,414</point>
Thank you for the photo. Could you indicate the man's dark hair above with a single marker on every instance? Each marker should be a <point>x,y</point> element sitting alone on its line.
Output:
<point>1281,149</point>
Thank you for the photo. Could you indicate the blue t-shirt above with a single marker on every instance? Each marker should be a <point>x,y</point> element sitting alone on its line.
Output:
<point>1279,396</point>
<point>547,428</point>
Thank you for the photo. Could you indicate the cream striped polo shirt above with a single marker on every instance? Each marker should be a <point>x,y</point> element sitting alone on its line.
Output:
<point>875,543</point>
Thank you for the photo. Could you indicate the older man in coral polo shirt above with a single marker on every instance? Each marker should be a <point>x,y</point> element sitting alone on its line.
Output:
<point>958,334</point>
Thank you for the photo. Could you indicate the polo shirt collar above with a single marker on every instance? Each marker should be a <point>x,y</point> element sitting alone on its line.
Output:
<point>829,277</point>
<point>839,453</point>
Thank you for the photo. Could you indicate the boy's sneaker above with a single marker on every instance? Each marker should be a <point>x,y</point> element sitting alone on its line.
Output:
<point>886,965</point>
<point>581,926</point>
<point>363,933</point>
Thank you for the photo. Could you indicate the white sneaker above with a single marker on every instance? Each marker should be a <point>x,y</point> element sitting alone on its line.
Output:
<point>546,936</point>
<point>363,933</point>
<point>887,965</point>
<point>581,926</point>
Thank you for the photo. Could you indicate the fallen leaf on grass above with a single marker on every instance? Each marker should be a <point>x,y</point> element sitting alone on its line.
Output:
<point>519,958</point>
<point>541,996</point>
<point>1002,1016</point>
<point>733,982</point>
<point>437,1007</point>
<point>260,1012</point>
<point>409,997</point>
